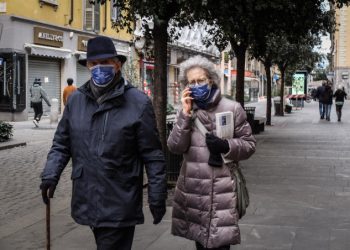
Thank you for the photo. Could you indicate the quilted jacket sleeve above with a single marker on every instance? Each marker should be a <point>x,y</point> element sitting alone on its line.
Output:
<point>242,145</point>
<point>180,137</point>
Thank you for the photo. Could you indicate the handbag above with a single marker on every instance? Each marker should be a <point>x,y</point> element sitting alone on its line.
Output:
<point>241,187</point>
<point>242,192</point>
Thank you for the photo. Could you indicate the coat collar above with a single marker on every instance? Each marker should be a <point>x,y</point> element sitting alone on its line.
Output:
<point>115,99</point>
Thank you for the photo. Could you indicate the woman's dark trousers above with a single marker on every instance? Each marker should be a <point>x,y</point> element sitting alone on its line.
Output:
<point>108,238</point>
<point>200,247</point>
<point>338,108</point>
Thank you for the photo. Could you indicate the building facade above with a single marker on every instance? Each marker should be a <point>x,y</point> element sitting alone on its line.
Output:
<point>341,49</point>
<point>45,39</point>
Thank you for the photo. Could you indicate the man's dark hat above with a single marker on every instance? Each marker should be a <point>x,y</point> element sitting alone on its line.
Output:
<point>101,47</point>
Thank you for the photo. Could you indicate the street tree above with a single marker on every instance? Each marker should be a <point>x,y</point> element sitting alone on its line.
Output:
<point>293,19</point>
<point>293,56</point>
<point>160,12</point>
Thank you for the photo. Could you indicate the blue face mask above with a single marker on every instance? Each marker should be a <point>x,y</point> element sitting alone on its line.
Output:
<point>201,95</point>
<point>200,92</point>
<point>102,74</point>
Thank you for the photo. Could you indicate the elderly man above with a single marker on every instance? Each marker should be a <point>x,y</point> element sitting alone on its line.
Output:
<point>108,128</point>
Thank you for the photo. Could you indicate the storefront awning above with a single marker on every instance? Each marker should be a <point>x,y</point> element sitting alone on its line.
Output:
<point>39,50</point>
<point>80,55</point>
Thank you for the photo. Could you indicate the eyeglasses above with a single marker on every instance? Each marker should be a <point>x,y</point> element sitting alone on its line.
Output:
<point>199,82</point>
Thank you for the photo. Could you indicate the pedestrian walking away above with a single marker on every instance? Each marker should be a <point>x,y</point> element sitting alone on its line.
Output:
<point>204,207</point>
<point>108,128</point>
<point>321,102</point>
<point>340,96</point>
<point>37,94</point>
<point>328,100</point>
<point>68,90</point>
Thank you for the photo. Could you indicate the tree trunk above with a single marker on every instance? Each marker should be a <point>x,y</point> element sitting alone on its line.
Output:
<point>281,111</point>
<point>267,65</point>
<point>240,54</point>
<point>160,36</point>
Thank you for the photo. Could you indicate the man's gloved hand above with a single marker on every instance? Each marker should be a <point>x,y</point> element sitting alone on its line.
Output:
<point>215,160</point>
<point>47,189</point>
<point>157,212</point>
<point>216,145</point>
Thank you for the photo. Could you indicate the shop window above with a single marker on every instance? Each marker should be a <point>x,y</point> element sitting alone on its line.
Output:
<point>92,16</point>
<point>12,82</point>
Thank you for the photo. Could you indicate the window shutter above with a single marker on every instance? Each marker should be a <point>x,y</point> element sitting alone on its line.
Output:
<point>97,17</point>
<point>115,11</point>
<point>89,18</point>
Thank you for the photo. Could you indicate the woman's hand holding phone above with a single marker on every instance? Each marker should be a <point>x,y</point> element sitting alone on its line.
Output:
<point>186,100</point>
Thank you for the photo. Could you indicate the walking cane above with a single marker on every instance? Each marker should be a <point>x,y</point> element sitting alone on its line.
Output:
<point>48,225</point>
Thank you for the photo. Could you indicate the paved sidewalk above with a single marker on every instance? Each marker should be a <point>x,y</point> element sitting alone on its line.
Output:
<point>299,183</point>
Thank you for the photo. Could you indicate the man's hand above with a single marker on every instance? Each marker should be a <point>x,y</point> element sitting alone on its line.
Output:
<point>216,145</point>
<point>47,189</point>
<point>157,212</point>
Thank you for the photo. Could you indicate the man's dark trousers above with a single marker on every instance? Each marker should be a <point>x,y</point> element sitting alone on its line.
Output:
<point>38,110</point>
<point>109,238</point>
<point>322,108</point>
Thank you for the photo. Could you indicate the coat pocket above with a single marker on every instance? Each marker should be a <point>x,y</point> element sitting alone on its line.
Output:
<point>76,173</point>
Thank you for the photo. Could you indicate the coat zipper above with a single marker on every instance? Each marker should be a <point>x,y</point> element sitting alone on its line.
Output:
<point>104,125</point>
<point>211,207</point>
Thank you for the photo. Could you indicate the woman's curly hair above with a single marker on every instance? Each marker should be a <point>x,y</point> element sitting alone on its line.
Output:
<point>198,62</point>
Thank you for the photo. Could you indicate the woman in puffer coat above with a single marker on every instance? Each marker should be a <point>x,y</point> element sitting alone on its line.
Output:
<point>204,208</point>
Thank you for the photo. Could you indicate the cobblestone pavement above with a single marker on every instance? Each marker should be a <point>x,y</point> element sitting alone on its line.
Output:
<point>20,170</point>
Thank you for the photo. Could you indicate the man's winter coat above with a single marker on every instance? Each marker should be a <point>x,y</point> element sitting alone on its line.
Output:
<point>320,94</point>
<point>37,93</point>
<point>204,208</point>
<point>109,145</point>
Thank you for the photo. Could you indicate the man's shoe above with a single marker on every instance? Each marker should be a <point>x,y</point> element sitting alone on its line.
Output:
<point>322,117</point>
<point>35,123</point>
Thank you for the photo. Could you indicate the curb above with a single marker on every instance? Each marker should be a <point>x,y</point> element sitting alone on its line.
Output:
<point>9,145</point>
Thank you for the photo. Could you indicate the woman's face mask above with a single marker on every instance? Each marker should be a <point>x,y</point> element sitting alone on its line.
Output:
<point>102,74</point>
<point>200,92</point>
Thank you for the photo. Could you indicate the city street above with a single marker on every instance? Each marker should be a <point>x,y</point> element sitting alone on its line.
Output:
<point>299,183</point>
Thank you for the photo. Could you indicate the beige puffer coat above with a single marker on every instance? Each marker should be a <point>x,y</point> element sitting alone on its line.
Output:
<point>204,208</point>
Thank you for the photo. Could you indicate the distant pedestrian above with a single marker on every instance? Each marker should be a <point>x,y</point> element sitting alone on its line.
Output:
<point>108,129</point>
<point>313,94</point>
<point>320,96</point>
<point>204,207</point>
<point>328,100</point>
<point>68,90</point>
<point>37,94</point>
<point>340,96</point>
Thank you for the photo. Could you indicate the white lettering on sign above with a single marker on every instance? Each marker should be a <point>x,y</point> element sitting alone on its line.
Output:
<point>51,37</point>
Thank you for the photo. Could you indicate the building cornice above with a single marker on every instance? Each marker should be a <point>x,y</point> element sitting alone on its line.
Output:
<point>192,50</point>
<point>62,28</point>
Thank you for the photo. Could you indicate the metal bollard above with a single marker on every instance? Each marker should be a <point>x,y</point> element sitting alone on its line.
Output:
<point>54,111</point>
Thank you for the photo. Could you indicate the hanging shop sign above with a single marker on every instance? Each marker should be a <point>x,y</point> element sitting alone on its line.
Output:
<point>82,43</point>
<point>48,37</point>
